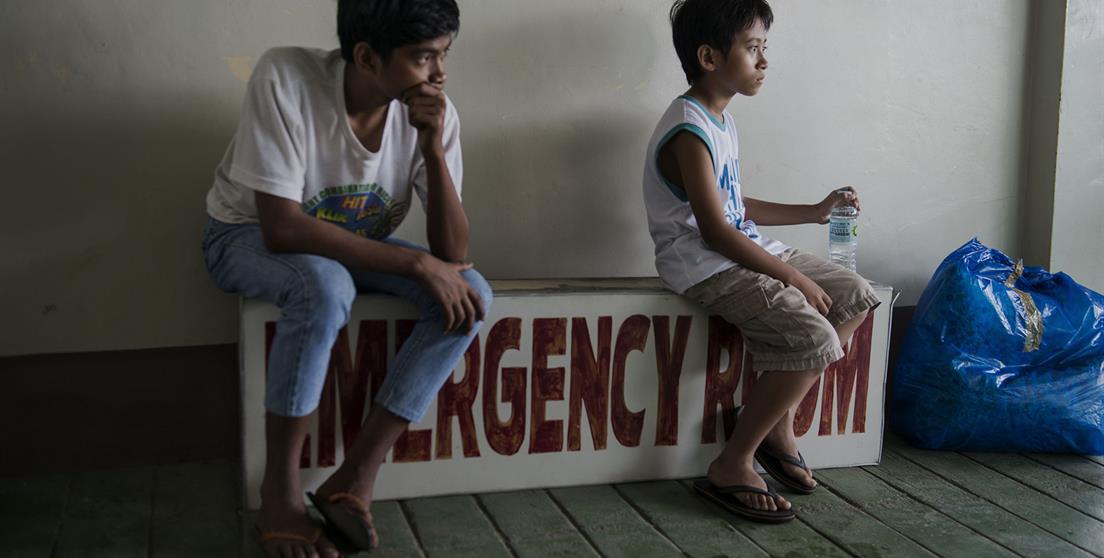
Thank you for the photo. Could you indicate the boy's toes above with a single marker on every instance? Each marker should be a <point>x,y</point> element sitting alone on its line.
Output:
<point>749,500</point>
<point>761,502</point>
<point>806,476</point>
<point>801,475</point>
<point>765,503</point>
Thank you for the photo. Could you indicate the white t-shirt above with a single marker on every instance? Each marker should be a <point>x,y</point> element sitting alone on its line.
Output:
<point>294,141</point>
<point>682,257</point>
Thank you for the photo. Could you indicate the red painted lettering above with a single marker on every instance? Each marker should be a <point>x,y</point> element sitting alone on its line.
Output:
<point>549,337</point>
<point>589,382</point>
<point>504,437</point>
<point>669,357</point>
<point>720,387</point>
<point>632,336</point>
<point>847,376</point>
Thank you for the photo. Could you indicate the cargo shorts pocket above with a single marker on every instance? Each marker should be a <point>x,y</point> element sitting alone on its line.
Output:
<point>791,317</point>
<point>737,295</point>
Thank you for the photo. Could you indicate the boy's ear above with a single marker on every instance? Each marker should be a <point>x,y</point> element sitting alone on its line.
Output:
<point>707,58</point>
<point>365,58</point>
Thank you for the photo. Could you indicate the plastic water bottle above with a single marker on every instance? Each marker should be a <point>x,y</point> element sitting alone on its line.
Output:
<point>843,233</point>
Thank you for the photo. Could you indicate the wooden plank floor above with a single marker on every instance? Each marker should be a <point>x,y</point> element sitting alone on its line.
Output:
<point>916,503</point>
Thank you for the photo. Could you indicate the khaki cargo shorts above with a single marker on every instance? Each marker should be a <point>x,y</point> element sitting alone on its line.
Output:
<point>781,330</point>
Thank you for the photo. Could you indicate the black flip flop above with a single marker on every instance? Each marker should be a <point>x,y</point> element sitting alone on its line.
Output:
<point>724,496</point>
<point>349,528</point>
<point>772,463</point>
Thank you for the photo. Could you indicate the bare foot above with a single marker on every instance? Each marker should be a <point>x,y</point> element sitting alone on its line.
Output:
<point>780,440</point>
<point>287,531</point>
<point>726,474</point>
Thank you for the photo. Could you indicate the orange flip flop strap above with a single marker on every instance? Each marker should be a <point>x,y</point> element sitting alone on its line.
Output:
<point>266,536</point>
<point>352,498</point>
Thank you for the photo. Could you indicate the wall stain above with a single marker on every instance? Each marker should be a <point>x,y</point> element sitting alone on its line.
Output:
<point>240,66</point>
<point>60,72</point>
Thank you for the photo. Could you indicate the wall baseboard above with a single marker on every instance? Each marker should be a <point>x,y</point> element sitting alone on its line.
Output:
<point>81,411</point>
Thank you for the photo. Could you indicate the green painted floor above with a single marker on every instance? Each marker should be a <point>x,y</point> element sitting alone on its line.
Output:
<point>916,503</point>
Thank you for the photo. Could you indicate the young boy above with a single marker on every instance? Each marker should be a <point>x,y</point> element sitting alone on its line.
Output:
<point>328,149</point>
<point>794,310</point>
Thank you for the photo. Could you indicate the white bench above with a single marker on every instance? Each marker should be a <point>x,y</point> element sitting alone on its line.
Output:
<point>569,382</point>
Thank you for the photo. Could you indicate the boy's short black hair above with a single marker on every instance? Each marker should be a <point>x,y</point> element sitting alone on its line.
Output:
<point>389,24</point>
<point>714,23</point>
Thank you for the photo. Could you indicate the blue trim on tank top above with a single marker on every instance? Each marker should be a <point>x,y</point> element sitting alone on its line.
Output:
<point>719,123</point>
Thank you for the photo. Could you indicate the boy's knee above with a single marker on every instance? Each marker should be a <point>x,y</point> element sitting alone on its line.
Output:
<point>336,299</point>
<point>858,286</point>
<point>327,289</point>
<point>481,287</point>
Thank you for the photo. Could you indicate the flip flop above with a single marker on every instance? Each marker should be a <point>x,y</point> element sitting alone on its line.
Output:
<point>724,496</point>
<point>772,463</point>
<point>352,528</point>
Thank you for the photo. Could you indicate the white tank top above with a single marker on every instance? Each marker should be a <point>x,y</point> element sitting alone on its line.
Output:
<point>682,257</point>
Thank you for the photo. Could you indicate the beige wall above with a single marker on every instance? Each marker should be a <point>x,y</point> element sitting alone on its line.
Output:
<point>115,112</point>
<point>1078,229</point>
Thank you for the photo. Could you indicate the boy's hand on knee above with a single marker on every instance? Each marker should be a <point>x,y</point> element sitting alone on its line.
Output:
<point>461,306</point>
<point>815,295</point>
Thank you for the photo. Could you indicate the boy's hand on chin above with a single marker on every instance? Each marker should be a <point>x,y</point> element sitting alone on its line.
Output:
<point>426,105</point>
<point>842,196</point>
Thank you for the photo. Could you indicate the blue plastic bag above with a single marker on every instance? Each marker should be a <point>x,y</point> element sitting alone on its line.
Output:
<point>1002,358</point>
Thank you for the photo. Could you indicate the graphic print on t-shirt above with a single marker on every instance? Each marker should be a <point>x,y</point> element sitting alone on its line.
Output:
<point>364,209</point>
<point>734,207</point>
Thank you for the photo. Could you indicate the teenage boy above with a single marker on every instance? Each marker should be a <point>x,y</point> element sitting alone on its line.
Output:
<point>330,148</point>
<point>794,310</point>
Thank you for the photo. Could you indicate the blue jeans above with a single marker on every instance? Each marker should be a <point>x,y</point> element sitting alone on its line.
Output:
<point>314,294</point>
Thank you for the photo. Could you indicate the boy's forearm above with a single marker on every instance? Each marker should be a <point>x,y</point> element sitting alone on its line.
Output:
<point>446,222</point>
<point>737,247</point>
<point>304,234</point>
<point>770,213</point>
